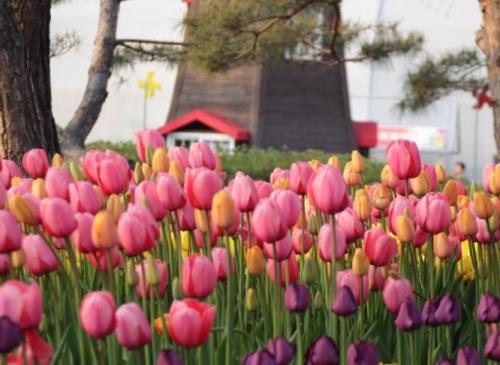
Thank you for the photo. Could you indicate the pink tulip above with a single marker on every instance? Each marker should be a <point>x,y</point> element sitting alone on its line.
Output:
<point>353,282</point>
<point>8,170</point>
<point>132,235</point>
<point>99,260</point>
<point>404,158</point>
<point>148,221</point>
<point>395,291</point>
<point>301,245</point>
<point>430,171</point>
<point>376,277</point>
<point>40,259</point>
<point>189,322</point>
<point>482,235</point>
<point>143,288</point>
<point>147,137</point>
<point>10,233</point>
<point>36,162</point>
<point>420,237</point>
<point>146,194</point>
<point>3,194</point>
<point>84,197</point>
<point>57,217</point>
<point>300,173</point>
<point>4,264</point>
<point>97,314</point>
<point>24,187</point>
<point>244,192</point>
<point>170,192</point>
<point>488,169</point>
<point>57,182</point>
<point>399,206</point>
<point>200,237</point>
<point>348,221</point>
<point>113,175</point>
<point>327,190</point>
<point>267,221</point>
<point>219,258</point>
<point>22,303</point>
<point>201,155</point>
<point>279,173</point>
<point>283,248</point>
<point>133,330</point>
<point>288,204</point>
<point>380,248</point>
<point>264,189</point>
<point>289,270</point>
<point>201,185</point>
<point>186,218</point>
<point>325,243</point>
<point>433,213</point>
<point>179,154</point>
<point>198,276</point>
<point>90,164</point>
<point>82,236</point>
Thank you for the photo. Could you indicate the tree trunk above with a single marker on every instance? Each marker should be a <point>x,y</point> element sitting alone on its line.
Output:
<point>26,119</point>
<point>490,45</point>
<point>85,117</point>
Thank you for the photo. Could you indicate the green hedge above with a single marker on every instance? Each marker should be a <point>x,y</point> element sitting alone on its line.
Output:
<point>258,163</point>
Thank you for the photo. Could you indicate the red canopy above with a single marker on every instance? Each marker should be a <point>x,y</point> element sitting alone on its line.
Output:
<point>366,133</point>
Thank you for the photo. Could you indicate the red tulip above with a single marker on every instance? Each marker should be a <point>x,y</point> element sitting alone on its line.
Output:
<point>300,173</point>
<point>244,192</point>
<point>288,204</point>
<point>189,322</point>
<point>283,248</point>
<point>198,276</point>
<point>264,189</point>
<point>395,291</point>
<point>35,162</point>
<point>4,264</point>
<point>57,182</point>
<point>10,233</point>
<point>201,155</point>
<point>404,158</point>
<point>170,192</point>
<point>380,248</point>
<point>201,185</point>
<point>113,175</point>
<point>143,287</point>
<point>301,244</point>
<point>99,260</point>
<point>433,213</point>
<point>327,190</point>
<point>35,350</point>
<point>40,259</point>
<point>97,314</point>
<point>348,221</point>
<point>22,303</point>
<point>267,222</point>
<point>353,281</point>
<point>132,327</point>
<point>325,242</point>
<point>179,154</point>
<point>219,258</point>
<point>57,217</point>
<point>147,137</point>
<point>186,218</point>
<point>289,270</point>
<point>84,197</point>
<point>8,170</point>
<point>146,194</point>
<point>82,236</point>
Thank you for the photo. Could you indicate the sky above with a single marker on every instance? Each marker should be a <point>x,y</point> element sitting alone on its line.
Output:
<point>446,24</point>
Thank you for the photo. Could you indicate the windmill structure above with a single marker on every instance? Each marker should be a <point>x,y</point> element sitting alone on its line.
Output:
<point>281,105</point>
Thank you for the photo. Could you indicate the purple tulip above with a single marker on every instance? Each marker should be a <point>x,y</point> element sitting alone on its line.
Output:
<point>297,298</point>
<point>429,313</point>
<point>345,303</point>
<point>488,309</point>
<point>492,347</point>
<point>261,357</point>
<point>362,353</point>
<point>322,351</point>
<point>448,310</point>
<point>282,350</point>
<point>168,357</point>
<point>443,361</point>
<point>468,356</point>
<point>10,335</point>
<point>409,317</point>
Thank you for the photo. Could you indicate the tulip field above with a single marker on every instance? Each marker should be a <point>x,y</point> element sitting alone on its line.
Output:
<point>169,263</point>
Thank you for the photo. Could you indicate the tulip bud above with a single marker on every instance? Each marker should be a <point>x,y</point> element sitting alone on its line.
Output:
<point>38,188</point>
<point>362,353</point>
<point>160,161</point>
<point>104,233</point>
<point>297,298</point>
<point>176,171</point>
<point>251,300</point>
<point>10,335</point>
<point>17,258</point>
<point>443,246</point>
<point>311,270</point>
<point>57,160</point>
<point>357,163</point>
<point>177,292</point>
<point>313,223</point>
<point>492,347</point>
<point>200,218</point>
<point>451,191</point>
<point>360,263</point>
<point>318,300</point>
<point>147,171</point>
<point>344,303</point>
<point>409,317</point>
<point>22,210</point>
<point>388,178</point>
<point>440,173</point>
<point>381,197</point>
<point>138,175</point>
<point>468,356</point>
<point>405,229</point>
<point>482,205</point>
<point>131,275</point>
<point>16,181</point>
<point>223,210</point>
<point>467,224</point>
<point>44,324</point>
<point>168,357</point>
<point>488,309</point>
<point>152,273</point>
<point>421,184</point>
<point>255,260</point>
<point>281,183</point>
<point>362,205</point>
<point>463,201</point>
<point>335,162</point>
<point>493,222</point>
<point>115,207</point>
<point>315,164</point>
<point>75,171</point>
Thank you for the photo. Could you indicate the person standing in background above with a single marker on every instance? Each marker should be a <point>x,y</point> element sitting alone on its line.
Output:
<point>459,169</point>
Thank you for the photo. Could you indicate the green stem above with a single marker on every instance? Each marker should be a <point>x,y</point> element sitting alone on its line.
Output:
<point>229,327</point>
<point>300,350</point>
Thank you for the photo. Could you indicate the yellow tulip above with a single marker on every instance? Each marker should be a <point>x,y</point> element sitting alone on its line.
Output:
<point>281,183</point>
<point>381,197</point>
<point>362,204</point>
<point>388,178</point>
<point>115,207</point>
<point>176,171</point>
<point>421,184</point>
<point>405,229</point>
<point>440,173</point>
<point>315,164</point>
<point>255,260</point>
<point>22,210</point>
<point>17,258</point>
<point>104,233</point>
<point>335,162</point>
<point>466,222</point>
<point>57,160</point>
<point>357,162</point>
<point>451,192</point>
<point>223,210</point>
<point>147,171</point>
<point>201,220</point>
<point>482,205</point>
<point>360,263</point>
<point>38,188</point>
<point>160,161</point>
